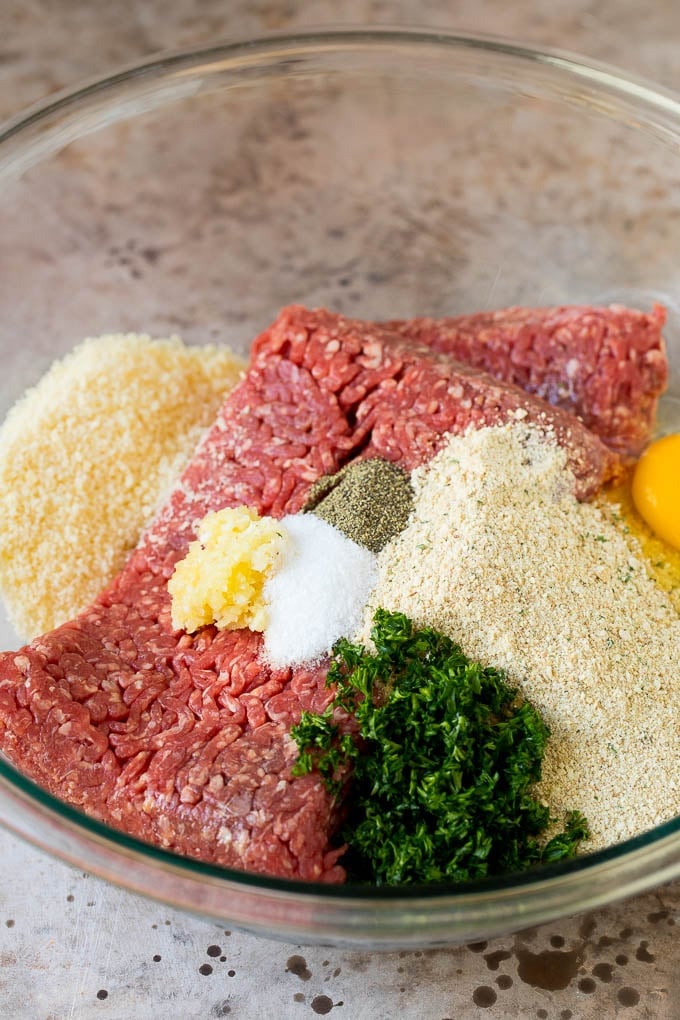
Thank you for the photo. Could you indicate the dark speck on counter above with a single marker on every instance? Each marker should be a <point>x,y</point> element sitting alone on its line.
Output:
<point>321,1004</point>
<point>298,965</point>
<point>603,972</point>
<point>484,996</point>
<point>642,953</point>
<point>549,969</point>
<point>628,996</point>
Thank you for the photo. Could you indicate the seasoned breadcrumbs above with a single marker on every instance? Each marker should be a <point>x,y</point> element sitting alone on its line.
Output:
<point>499,555</point>
<point>86,457</point>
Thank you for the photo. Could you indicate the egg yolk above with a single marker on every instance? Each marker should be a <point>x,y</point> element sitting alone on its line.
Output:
<point>656,488</point>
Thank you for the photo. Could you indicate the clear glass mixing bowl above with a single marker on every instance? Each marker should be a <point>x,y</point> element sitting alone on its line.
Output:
<point>380,173</point>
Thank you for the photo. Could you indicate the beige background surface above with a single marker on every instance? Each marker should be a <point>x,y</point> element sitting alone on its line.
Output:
<point>71,946</point>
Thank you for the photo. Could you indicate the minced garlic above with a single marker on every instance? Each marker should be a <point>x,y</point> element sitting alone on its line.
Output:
<point>222,577</point>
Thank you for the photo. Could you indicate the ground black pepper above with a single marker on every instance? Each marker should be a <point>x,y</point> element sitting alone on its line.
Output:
<point>370,501</point>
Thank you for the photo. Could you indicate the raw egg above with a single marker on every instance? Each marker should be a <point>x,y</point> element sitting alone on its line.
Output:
<point>656,488</point>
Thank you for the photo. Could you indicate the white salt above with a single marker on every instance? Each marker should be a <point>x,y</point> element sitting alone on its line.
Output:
<point>318,593</point>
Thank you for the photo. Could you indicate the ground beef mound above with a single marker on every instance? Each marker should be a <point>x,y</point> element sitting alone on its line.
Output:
<point>183,740</point>
<point>607,365</point>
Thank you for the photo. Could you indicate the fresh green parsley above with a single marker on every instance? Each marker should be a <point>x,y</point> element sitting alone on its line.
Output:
<point>441,767</point>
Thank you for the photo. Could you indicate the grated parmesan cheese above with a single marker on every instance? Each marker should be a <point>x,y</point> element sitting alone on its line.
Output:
<point>85,458</point>
<point>500,556</point>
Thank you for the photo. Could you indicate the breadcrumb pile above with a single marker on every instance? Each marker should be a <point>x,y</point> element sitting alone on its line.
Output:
<point>500,556</point>
<point>85,458</point>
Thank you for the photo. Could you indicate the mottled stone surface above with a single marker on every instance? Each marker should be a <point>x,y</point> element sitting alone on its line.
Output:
<point>72,946</point>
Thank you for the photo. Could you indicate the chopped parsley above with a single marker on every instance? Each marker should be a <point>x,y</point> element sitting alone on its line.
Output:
<point>442,764</point>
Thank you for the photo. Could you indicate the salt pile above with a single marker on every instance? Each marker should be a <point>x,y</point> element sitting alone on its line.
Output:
<point>318,592</point>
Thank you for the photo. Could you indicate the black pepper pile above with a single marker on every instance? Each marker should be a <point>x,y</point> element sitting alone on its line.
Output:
<point>369,501</point>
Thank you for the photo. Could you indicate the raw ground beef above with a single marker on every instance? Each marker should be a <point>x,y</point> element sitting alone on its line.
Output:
<point>183,740</point>
<point>607,365</point>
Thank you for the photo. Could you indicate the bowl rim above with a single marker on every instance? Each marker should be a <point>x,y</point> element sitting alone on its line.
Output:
<point>247,49</point>
<point>640,862</point>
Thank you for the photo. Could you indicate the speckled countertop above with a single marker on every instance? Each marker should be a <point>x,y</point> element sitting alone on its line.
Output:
<point>72,946</point>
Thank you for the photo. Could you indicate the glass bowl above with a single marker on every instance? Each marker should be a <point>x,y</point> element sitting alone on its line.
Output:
<point>381,173</point>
